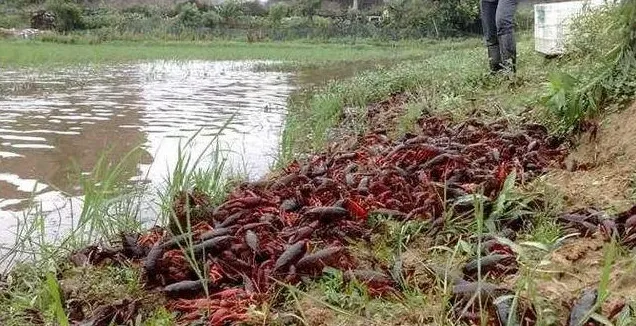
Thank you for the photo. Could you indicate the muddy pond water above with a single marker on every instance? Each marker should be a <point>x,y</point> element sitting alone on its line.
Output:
<point>56,124</point>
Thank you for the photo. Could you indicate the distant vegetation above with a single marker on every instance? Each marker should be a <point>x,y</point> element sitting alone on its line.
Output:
<point>251,20</point>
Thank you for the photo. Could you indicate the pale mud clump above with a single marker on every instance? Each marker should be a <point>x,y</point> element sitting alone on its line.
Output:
<point>316,314</point>
<point>603,167</point>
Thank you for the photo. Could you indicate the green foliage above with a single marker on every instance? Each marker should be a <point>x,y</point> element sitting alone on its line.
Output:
<point>23,293</point>
<point>29,294</point>
<point>160,317</point>
<point>456,15</point>
<point>432,18</point>
<point>143,10</point>
<point>253,8</point>
<point>408,121</point>
<point>278,11</point>
<point>12,19</point>
<point>571,101</point>
<point>189,16</point>
<point>100,18</point>
<point>230,11</point>
<point>591,36</point>
<point>510,205</point>
<point>411,15</point>
<point>68,15</point>
<point>611,76</point>
<point>190,20</point>
<point>627,316</point>
<point>55,294</point>
<point>524,18</point>
<point>350,295</point>
<point>306,8</point>
<point>210,19</point>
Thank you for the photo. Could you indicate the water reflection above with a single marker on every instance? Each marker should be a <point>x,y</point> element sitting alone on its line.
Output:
<point>54,125</point>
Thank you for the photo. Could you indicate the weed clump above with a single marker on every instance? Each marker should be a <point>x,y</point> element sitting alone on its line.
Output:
<point>611,52</point>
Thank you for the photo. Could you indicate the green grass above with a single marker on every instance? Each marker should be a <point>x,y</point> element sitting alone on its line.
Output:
<point>450,78</point>
<point>109,206</point>
<point>33,294</point>
<point>40,275</point>
<point>37,53</point>
<point>604,42</point>
<point>34,289</point>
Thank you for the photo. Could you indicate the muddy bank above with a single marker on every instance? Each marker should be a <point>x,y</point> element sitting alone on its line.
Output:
<point>288,228</point>
<point>601,170</point>
<point>306,217</point>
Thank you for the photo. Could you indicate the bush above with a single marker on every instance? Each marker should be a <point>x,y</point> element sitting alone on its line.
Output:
<point>253,8</point>
<point>68,15</point>
<point>136,23</point>
<point>230,11</point>
<point>278,11</point>
<point>524,19</point>
<point>12,21</point>
<point>455,16</point>
<point>22,3</point>
<point>413,18</point>
<point>417,18</point>
<point>322,27</point>
<point>607,39</point>
<point>306,8</point>
<point>100,18</point>
<point>210,19</point>
<point>144,10</point>
<point>589,33</point>
<point>190,16</point>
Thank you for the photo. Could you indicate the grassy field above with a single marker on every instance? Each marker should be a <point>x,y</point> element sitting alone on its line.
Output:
<point>36,53</point>
<point>451,79</point>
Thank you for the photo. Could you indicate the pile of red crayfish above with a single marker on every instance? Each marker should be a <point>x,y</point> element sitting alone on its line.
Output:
<point>292,226</point>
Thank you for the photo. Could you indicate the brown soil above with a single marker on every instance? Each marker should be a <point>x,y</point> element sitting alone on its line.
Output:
<point>577,266</point>
<point>604,166</point>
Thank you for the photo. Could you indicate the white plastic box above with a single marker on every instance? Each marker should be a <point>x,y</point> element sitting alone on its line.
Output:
<point>551,22</point>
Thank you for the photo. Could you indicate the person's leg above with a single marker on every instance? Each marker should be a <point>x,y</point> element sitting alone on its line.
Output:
<point>489,26</point>
<point>505,31</point>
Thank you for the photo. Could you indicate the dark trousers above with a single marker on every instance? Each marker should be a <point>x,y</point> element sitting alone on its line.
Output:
<point>498,26</point>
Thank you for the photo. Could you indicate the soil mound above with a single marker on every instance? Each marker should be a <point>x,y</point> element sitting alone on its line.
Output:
<point>601,169</point>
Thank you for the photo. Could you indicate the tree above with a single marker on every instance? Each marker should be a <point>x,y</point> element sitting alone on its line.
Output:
<point>189,16</point>
<point>254,8</point>
<point>230,11</point>
<point>433,17</point>
<point>68,15</point>
<point>307,8</point>
<point>278,11</point>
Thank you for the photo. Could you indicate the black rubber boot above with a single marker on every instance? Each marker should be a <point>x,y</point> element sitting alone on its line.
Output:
<point>494,58</point>
<point>508,52</point>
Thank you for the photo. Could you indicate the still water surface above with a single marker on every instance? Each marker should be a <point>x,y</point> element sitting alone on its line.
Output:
<point>55,124</point>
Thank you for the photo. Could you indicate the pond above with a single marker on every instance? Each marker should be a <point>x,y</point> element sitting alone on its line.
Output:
<point>56,124</point>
